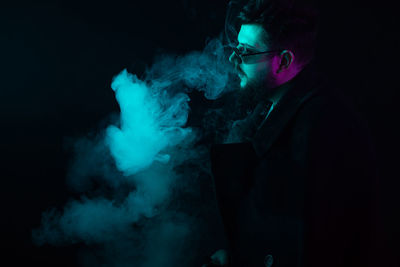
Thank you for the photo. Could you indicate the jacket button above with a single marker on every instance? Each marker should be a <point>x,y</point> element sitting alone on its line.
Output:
<point>268,260</point>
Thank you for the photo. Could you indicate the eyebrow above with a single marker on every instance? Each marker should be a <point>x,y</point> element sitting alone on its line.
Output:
<point>244,44</point>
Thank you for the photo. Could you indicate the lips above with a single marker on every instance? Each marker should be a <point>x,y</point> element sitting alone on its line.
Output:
<point>240,72</point>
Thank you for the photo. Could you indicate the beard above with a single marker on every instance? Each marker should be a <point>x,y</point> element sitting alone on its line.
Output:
<point>236,105</point>
<point>238,125</point>
<point>247,98</point>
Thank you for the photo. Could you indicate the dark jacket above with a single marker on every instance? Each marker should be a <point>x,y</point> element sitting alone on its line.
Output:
<point>300,192</point>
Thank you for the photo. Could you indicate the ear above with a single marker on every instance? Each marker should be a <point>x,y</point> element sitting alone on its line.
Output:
<point>286,59</point>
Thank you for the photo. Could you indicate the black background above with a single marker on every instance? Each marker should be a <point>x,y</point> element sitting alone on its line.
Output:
<point>58,59</point>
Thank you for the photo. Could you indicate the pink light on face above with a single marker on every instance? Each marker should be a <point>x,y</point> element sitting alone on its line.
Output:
<point>283,67</point>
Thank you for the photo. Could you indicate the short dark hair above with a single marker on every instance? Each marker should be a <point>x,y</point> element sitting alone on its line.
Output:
<point>290,24</point>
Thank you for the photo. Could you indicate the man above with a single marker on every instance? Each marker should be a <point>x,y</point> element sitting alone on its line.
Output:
<point>294,179</point>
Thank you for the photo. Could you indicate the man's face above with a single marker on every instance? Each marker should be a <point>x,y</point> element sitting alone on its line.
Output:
<point>257,73</point>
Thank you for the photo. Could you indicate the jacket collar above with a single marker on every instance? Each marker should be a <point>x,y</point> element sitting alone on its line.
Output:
<point>301,88</point>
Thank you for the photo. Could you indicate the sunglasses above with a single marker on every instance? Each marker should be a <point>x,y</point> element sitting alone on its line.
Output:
<point>249,57</point>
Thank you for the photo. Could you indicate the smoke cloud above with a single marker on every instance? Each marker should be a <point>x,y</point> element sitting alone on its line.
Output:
<point>145,190</point>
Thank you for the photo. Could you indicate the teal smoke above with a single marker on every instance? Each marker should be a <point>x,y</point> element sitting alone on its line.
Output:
<point>136,217</point>
<point>151,121</point>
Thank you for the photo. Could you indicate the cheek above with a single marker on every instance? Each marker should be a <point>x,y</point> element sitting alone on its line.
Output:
<point>253,70</point>
<point>262,67</point>
<point>274,65</point>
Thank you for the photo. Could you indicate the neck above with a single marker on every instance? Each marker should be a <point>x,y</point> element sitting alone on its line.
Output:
<point>277,93</point>
<point>283,83</point>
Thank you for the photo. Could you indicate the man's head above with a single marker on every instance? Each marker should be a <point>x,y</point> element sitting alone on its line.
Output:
<point>276,40</point>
